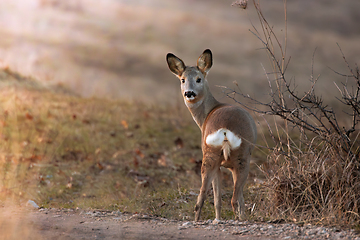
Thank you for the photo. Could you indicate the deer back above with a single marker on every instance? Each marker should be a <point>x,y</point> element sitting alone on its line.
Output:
<point>227,119</point>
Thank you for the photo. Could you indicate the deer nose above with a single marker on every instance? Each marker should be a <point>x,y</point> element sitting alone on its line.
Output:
<point>189,94</point>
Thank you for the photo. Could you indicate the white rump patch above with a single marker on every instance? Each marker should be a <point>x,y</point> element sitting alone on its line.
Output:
<point>218,138</point>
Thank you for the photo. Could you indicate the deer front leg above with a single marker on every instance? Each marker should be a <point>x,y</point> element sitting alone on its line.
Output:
<point>207,174</point>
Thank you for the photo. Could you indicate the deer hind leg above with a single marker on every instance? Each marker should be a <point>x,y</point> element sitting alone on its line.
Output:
<point>207,175</point>
<point>216,183</point>
<point>240,174</point>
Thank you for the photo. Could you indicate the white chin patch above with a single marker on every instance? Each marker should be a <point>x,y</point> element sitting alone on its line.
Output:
<point>190,98</point>
<point>217,139</point>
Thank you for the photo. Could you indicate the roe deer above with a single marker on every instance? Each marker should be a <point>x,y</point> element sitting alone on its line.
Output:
<point>228,133</point>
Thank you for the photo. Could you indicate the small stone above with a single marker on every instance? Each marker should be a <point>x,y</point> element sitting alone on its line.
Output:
<point>187,224</point>
<point>311,232</point>
<point>32,203</point>
<point>339,235</point>
<point>216,221</point>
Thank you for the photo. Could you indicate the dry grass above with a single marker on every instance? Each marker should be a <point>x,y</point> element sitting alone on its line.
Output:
<point>313,185</point>
<point>63,151</point>
<point>313,168</point>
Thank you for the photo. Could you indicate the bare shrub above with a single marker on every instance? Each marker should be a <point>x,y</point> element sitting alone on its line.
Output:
<point>313,168</point>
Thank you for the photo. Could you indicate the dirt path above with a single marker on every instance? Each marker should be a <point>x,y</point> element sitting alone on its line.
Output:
<point>68,224</point>
<point>80,224</point>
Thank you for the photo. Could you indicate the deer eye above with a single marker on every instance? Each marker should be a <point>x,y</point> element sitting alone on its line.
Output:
<point>198,80</point>
<point>183,80</point>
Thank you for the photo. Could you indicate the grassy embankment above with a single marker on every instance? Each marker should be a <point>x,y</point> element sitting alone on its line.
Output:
<point>64,151</point>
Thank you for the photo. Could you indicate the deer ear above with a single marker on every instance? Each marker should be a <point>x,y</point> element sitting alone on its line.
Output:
<point>204,62</point>
<point>176,65</point>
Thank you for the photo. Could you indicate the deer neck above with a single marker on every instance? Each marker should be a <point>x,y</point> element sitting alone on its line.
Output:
<point>202,108</point>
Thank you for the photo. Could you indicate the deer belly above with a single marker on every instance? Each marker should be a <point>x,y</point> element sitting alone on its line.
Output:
<point>223,137</point>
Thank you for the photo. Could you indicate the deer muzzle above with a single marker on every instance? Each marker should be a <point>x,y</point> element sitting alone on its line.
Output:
<point>190,94</point>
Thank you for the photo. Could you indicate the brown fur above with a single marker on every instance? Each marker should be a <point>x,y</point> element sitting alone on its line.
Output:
<point>210,115</point>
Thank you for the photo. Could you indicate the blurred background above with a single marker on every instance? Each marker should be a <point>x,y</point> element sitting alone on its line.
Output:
<point>63,151</point>
<point>117,48</point>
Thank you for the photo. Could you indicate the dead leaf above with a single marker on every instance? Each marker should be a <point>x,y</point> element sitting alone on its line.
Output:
<point>45,140</point>
<point>116,154</point>
<point>140,179</point>
<point>28,116</point>
<point>125,124</point>
<point>41,179</point>
<point>146,115</point>
<point>33,158</point>
<point>136,161</point>
<point>139,153</point>
<point>162,161</point>
<point>145,145</point>
<point>60,172</point>
<point>97,151</point>
<point>100,166</point>
<point>179,143</point>
<point>69,185</point>
<point>192,160</point>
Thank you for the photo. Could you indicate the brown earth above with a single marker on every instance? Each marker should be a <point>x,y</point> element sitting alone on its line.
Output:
<point>67,224</point>
<point>85,224</point>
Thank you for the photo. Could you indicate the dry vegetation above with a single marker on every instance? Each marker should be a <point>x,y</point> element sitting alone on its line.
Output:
<point>313,167</point>
<point>62,150</point>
